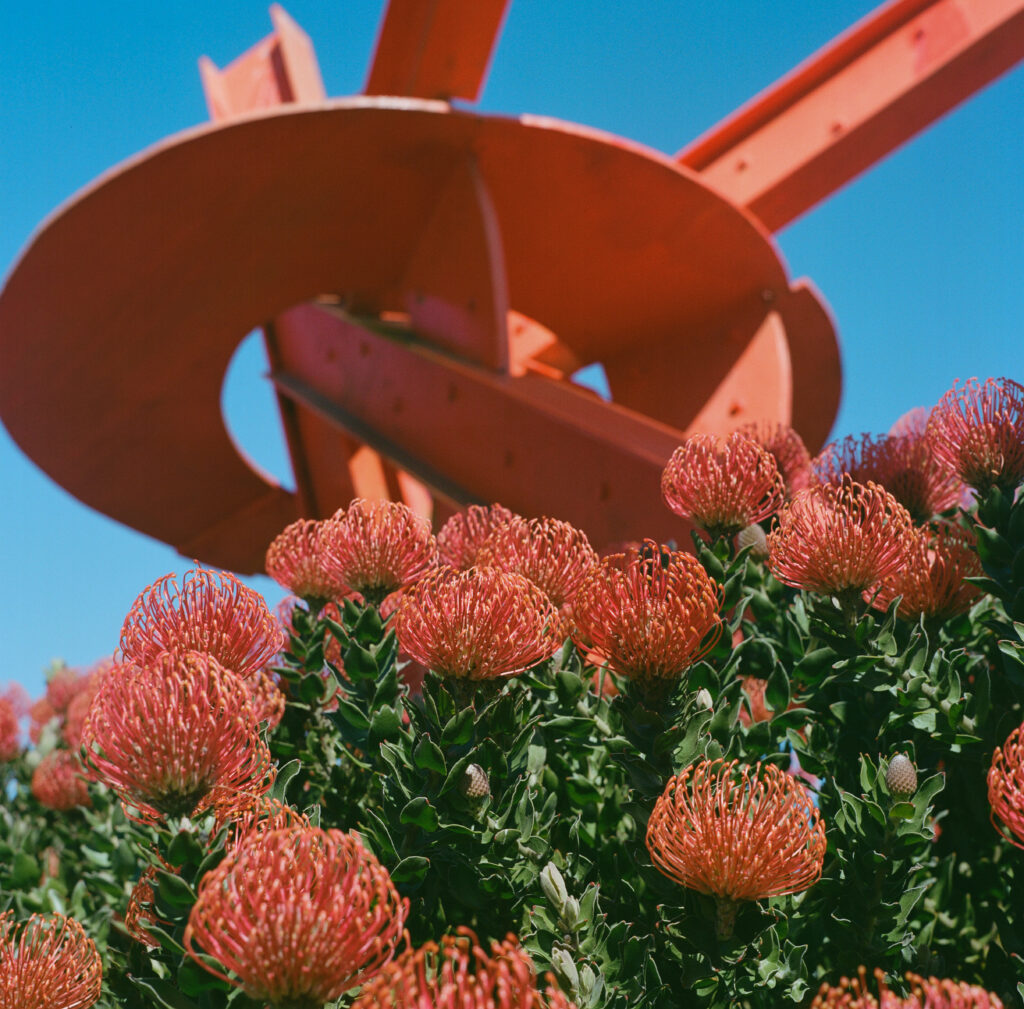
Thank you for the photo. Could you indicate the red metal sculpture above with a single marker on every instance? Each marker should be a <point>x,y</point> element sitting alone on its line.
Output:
<point>429,279</point>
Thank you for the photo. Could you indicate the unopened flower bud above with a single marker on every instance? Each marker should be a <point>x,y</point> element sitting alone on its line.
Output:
<point>753,536</point>
<point>475,784</point>
<point>565,968</point>
<point>571,912</point>
<point>901,777</point>
<point>704,699</point>
<point>553,885</point>
<point>587,981</point>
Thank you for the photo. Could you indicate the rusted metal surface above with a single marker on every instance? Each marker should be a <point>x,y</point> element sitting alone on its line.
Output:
<point>855,101</point>
<point>435,48</point>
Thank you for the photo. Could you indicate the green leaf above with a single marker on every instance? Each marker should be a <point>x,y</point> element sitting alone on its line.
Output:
<point>459,729</point>
<point>902,811</point>
<point>776,691</point>
<point>385,723</point>
<point>284,776</point>
<point>420,813</point>
<point>163,993</point>
<point>427,755</point>
<point>411,869</point>
<point>25,871</point>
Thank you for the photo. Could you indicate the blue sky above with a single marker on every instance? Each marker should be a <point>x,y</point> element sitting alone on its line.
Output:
<point>921,259</point>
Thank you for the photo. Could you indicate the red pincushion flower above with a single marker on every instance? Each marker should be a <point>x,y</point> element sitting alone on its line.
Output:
<point>212,612</point>
<point>47,962</point>
<point>375,547</point>
<point>840,539</point>
<point>906,466</point>
<point>459,974</point>
<point>58,782</point>
<point>933,581</point>
<point>40,715</point>
<point>978,431</point>
<point>722,486</point>
<point>925,993</point>
<point>141,909</point>
<point>169,738</point>
<point>554,555</point>
<point>1006,788</point>
<point>297,916</point>
<point>12,707</point>
<point>62,686</point>
<point>462,536</point>
<point>650,613</point>
<point>913,422</point>
<point>476,624</point>
<point>737,833</point>
<point>786,447</point>
<point>297,560</point>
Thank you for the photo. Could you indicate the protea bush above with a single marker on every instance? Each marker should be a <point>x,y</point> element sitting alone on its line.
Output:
<point>497,766</point>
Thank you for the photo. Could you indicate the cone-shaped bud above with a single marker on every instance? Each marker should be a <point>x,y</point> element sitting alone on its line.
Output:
<point>475,783</point>
<point>901,777</point>
<point>756,538</point>
<point>47,962</point>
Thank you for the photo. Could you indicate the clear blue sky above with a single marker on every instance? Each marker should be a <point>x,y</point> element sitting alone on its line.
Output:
<point>921,260</point>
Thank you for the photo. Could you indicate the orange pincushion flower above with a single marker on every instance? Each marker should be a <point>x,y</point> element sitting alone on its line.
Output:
<point>933,581</point>
<point>722,486</point>
<point>141,909</point>
<point>47,962</point>
<point>840,539</point>
<point>925,993</point>
<point>63,685</point>
<point>375,547</point>
<point>40,715</point>
<point>737,833</point>
<point>650,613</point>
<point>297,916</point>
<point>13,705</point>
<point>297,561</point>
<point>245,814</point>
<point>554,555</point>
<point>268,701</point>
<point>905,465</point>
<point>462,536</point>
<point>1006,787</point>
<point>172,736</point>
<point>978,431</point>
<point>459,974</point>
<point>786,447</point>
<point>212,612</point>
<point>476,624</point>
<point>58,782</point>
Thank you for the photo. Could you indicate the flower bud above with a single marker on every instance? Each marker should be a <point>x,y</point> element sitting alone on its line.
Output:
<point>571,913</point>
<point>588,980</point>
<point>553,885</point>
<point>753,536</point>
<point>565,968</point>
<point>475,784</point>
<point>901,777</point>
<point>704,699</point>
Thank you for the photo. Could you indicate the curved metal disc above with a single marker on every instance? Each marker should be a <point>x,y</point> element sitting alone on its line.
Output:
<point>118,322</point>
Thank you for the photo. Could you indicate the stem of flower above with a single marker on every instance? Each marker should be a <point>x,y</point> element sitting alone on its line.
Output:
<point>725,917</point>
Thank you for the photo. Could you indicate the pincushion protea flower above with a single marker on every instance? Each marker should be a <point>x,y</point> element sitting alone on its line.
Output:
<point>933,582</point>
<point>47,962</point>
<point>840,539</point>
<point>786,447</point>
<point>476,624</point>
<point>925,993</point>
<point>375,547</point>
<point>246,814</point>
<point>905,465</point>
<point>978,431</point>
<point>650,613</point>
<point>736,833</point>
<point>172,736</point>
<point>141,909</point>
<point>554,555</point>
<point>13,704</point>
<point>458,973</point>
<point>1006,788</point>
<point>212,612</point>
<point>58,782</point>
<point>722,486</point>
<point>297,561</point>
<point>462,536</point>
<point>297,916</point>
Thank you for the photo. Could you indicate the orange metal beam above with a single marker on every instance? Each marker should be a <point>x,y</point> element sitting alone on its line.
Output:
<point>855,101</point>
<point>435,48</point>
